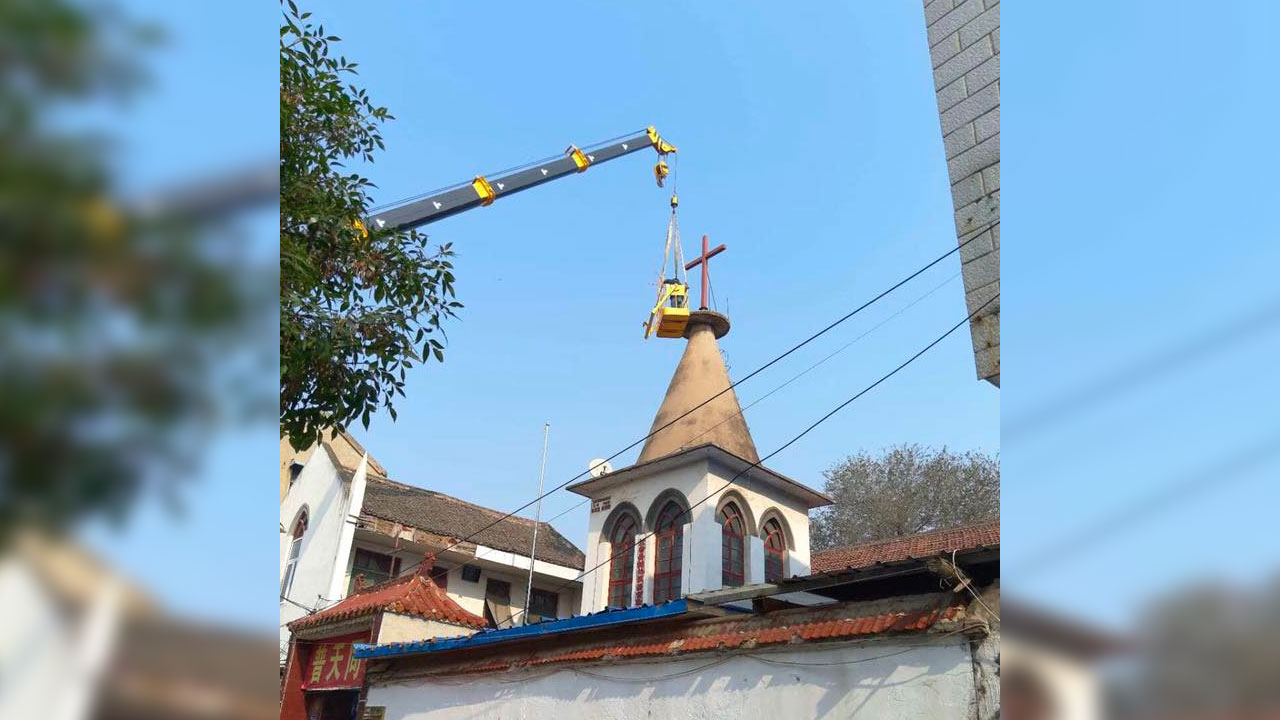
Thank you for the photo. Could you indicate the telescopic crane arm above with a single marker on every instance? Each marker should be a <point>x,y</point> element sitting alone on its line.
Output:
<point>483,191</point>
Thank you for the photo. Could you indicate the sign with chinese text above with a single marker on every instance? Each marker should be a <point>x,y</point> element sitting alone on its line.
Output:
<point>333,666</point>
<point>600,504</point>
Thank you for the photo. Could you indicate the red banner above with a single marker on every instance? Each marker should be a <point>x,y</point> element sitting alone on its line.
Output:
<point>333,666</point>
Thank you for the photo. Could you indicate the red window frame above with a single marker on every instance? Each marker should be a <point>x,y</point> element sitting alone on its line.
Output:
<point>733,531</point>
<point>775,549</point>
<point>669,531</point>
<point>621,560</point>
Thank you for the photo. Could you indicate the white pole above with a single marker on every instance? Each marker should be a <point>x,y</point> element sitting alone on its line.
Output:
<point>537,517</point>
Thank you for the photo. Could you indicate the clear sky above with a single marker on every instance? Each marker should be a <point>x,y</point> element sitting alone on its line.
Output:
<point>1139,171</point>
<point>809,144</point>
<point>1139,166</point>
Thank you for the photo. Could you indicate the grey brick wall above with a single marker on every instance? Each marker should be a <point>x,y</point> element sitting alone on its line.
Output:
<point>964,44</point>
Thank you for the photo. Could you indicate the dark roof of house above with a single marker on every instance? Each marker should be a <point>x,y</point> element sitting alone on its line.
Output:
<point>446,515</point>
<point>930,544</point>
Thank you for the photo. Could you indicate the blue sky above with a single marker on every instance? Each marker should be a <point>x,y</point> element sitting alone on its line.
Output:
<point>810,147</point>
<point>1139,163</point>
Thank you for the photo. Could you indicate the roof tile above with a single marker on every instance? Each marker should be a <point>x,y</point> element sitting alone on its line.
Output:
<point>916,614</point>
<point>929,544</point>
<point>448,516</point>
<point>410,594</point>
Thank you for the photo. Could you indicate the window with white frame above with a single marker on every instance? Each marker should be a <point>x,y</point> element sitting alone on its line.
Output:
<point>295,548</point>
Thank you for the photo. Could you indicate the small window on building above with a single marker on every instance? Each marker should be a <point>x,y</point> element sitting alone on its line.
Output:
<point>295,549</point>
<point>732,546</point>
<point>775,552</point>
<point>542,605</point>
<point>471,573</point>
<point>497,602</point>
<point>668,561</point>
<point>622,544</point>
<point>376,567</point>
<point>441,577</point>
<point>295,469</point>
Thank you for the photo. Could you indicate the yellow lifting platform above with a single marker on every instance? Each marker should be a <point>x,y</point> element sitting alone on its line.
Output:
<point>670,313</point>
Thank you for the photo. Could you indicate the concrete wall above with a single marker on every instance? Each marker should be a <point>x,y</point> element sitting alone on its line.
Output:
<point>470,595</point>
<point>1072,685</point>
<point>964,45</point>
<point>696,480</point>
<point>405,628</point>
<point>927,681</point>
<point>322,491</point>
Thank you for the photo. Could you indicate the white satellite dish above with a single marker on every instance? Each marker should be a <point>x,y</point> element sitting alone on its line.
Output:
<point>599,467</point>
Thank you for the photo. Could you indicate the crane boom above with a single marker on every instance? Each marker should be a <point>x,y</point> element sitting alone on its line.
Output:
<point>483,191</point>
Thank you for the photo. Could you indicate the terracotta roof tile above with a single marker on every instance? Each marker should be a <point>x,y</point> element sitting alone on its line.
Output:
<point>843,622</point>
<point>928,544</point>
<point>410,594</point>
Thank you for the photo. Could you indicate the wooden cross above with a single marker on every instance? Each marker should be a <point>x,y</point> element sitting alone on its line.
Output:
<point>702,260</point>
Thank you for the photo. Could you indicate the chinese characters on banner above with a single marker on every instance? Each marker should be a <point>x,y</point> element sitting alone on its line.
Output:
<point>333,666</point>
<point>639,573</point>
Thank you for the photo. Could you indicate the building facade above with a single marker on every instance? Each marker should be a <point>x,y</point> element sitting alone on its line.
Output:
<point>964,47</point>
<point>344,528</point>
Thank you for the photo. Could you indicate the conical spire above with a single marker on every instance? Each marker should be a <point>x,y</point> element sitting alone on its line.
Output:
<point>700,375</point>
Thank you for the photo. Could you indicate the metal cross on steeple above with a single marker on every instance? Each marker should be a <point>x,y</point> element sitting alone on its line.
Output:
<point>702,260</point>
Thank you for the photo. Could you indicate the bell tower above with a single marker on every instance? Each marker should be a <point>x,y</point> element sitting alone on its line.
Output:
<point>696,512</point>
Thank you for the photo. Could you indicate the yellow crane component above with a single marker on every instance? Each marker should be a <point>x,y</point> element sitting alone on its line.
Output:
<point>483,190</point>
<point>670,314</point>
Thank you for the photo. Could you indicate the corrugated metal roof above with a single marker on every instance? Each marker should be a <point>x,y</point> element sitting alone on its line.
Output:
<point>603,618</point>
<point>911,614</point>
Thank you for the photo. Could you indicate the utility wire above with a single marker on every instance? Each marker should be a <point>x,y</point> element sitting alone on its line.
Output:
<point>814,366</point>
<point>793,378</point>
<point>789,443</point>
<point>973,235</point>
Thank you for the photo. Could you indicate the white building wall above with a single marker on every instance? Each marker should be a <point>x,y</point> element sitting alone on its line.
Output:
<point>1073,685</point>
<point>322,491</point>
<point>406,628</point>
<point>696,480</point>
<point>933,682</point>
<point>470,595</point>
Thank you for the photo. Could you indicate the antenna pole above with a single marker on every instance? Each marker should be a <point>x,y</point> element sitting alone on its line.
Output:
<point>537,517</point>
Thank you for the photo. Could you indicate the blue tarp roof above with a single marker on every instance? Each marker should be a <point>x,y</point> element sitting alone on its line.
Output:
<point>604,618</point>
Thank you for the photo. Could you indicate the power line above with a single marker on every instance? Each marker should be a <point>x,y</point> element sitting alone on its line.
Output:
<point>814,366</point>
<point>789,443</point>
<point>795,377</point>
<point>973,235</point>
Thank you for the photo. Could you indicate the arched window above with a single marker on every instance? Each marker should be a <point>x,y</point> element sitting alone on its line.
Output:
<point>622,560</point>
<point>775,549</point>
<point>732,544</point>
<point>667,566</point>
<point>295,547</point>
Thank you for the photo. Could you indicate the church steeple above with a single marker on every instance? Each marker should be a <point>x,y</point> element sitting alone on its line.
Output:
<point>700,375</point>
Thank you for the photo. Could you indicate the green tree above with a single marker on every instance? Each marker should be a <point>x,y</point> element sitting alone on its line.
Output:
<point>114,320</point>
<point>357,308</point>
<point>908,489</point>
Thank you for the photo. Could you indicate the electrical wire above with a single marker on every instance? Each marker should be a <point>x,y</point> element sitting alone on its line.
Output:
<point>789,443</point>
<point>806,371</point>
<point>973,235</point>
<point>793,378</point>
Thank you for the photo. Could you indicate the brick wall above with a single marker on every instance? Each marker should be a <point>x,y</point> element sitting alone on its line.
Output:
<point>964,44</point>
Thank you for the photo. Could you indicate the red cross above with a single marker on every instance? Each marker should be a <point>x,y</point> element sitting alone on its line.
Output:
<point>702,260</point>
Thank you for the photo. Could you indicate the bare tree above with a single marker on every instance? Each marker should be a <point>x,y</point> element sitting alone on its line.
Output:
<point>908,489</point>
